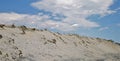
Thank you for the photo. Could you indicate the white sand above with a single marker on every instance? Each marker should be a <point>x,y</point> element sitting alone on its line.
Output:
<point>49,46</point>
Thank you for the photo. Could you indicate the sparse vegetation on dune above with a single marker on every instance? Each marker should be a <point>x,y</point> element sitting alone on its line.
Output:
<point>23,28</point>
<point>2,26</point>
<point>43,45</point>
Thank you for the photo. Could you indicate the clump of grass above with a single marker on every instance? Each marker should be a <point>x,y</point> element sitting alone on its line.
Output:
<point>52,41</point>
<point>13,26</point>
<point>74,35</point>
<point>58,33</point>
<point>83,41</point>
<point>75,44</point>
<point>23,28</point>
<point>0,52</point>
<point>111,41</point>
<point>11,41</point>
<point>46,29</point>
<point>45,43</point>
<point>59,37</point>
<point>1,36</point>
<point>33,29</point>
<point>2,26</point>
<point>62,40</point>
<point>117,43</point>
<point>6,55</point>
<point>98,38</point>
<point>20,53</point>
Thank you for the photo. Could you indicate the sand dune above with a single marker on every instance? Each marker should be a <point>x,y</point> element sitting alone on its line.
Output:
<point>29,44</point>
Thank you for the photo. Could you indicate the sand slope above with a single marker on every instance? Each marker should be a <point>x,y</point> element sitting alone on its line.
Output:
<point>43,45</point>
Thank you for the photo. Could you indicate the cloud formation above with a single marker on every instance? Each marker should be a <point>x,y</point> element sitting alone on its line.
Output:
<point>103,28</point>
<point>74,14</point>
<point>37,21</point>
<point>23,19</point>
<point>76,11</point>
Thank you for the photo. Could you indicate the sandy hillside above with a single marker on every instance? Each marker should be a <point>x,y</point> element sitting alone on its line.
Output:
<point>29,44</point>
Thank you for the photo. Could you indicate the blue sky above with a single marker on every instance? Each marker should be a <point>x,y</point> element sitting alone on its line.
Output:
<point>94,18</point>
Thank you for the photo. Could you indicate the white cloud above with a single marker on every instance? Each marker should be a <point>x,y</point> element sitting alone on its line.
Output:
<point>67,2</point>
<point>23,19</point>
<point>104,28</point>
<point>76,11</point>
<point>58,25</point>
<point>37,21</point>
